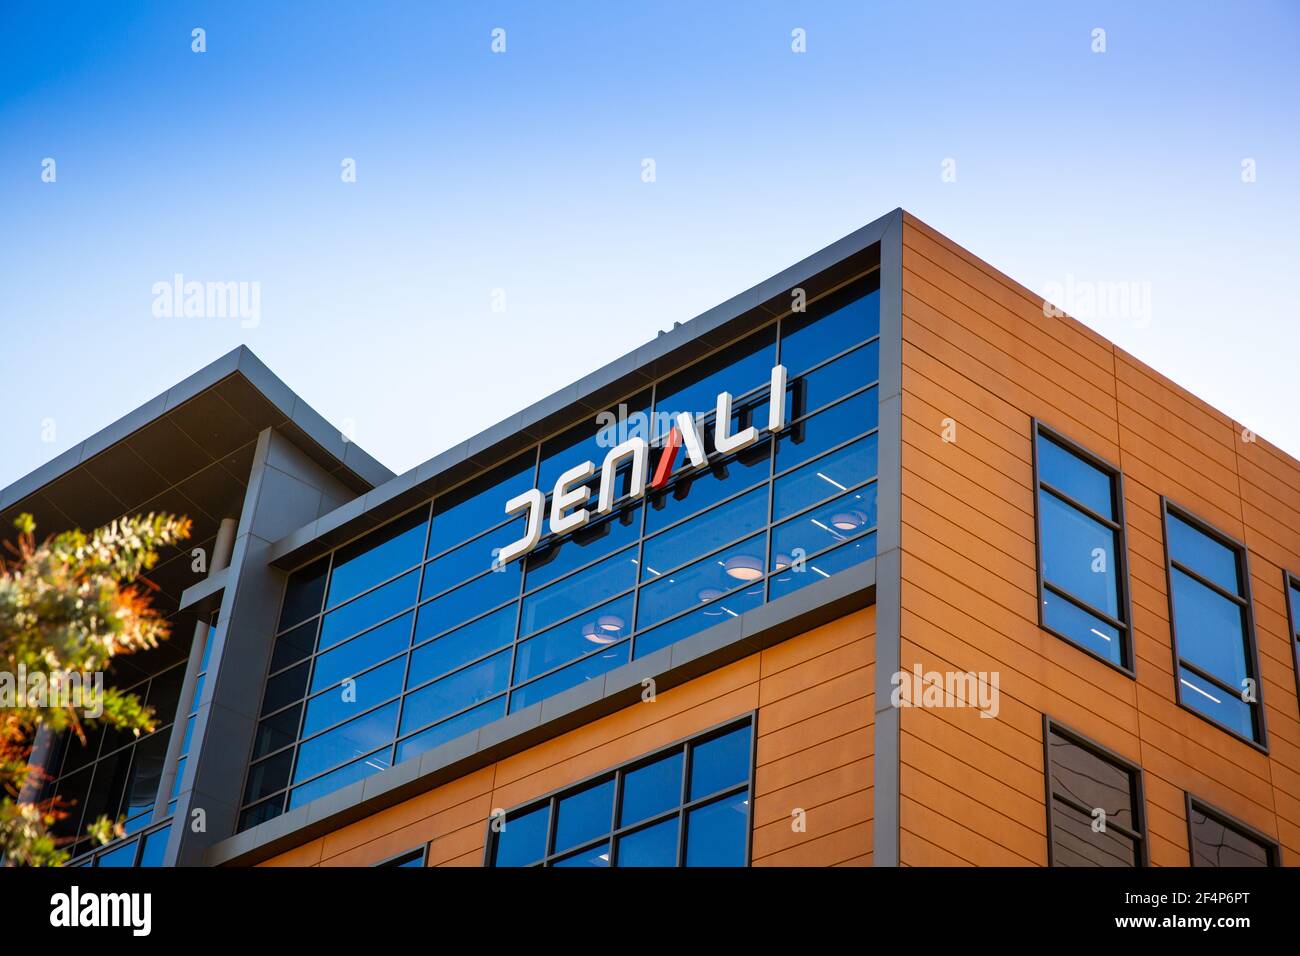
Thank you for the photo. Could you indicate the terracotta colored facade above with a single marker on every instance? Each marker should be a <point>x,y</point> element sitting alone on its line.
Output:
<point>978,350</point>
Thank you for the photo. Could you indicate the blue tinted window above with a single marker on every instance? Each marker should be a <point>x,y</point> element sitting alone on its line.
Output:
<point>268,776</point>
<point>715,832</point>
<point>1081,627</point>
<point>824,527</point>
<point>522,840</point>
<point>475,557</point>
<point>122,856</point>
<point>823,431</point>
<point>846,374</point>
<point>303,593</point>
<point>559,557</point>
<point>584,815</point>
<point>457,692</point>
<point>652,807</point>
<point>572,594</point>
<point>704,533</point>
<point>702,489</point>
<point>1216,703</point>
<point>604,625</point>
<point>180,776</point>
<point>353,739</point>
<point>829,327</point>
<point>344,701</point>
<point>651,846</point>
<point>285,688</point>
<point>652,789</point>
<point>1203,554</point>
<point>378,556</point>
<point>262,812</point>
<point>591,441</point>
<point>587,668</point>
<point>1209,629</point>
<point>155,847</point>
<point>734,567</point>
<point>1295,607</point>
<point>356,770</point>
<point>1079,554</point>
<point>370,609</point>
<point>462,645</point>
<point>789,579</point>
<point>1067,472</point>
<point>825,477</point>
<point>292,646</point>
<point>146,770</point>
<point>478,504</point>
<point>596,856</point>
<point>469,600</point>
<point>736,369</point>
<point>348,660</point>
<point>720,762</point>
<point>450,729</point>
<point>733,604</point>
<point>275,732</point>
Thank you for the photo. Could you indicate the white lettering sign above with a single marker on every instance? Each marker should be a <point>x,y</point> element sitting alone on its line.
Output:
<point>571,491</point>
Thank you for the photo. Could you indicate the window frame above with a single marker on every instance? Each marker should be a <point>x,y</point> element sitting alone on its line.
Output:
<point>1272,849</point>
<point>1245,601</point>
<point>1140,835</point>
<point>1127,665</point>
<point>618,773</point>
<point>1289,581</point>
<point>394,861</point>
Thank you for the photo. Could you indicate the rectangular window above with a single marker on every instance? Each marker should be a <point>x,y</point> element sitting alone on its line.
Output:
<point>1095,814</point>
<point>411,858</point>
<point>1217,673</point>
<point>684,805</point>
<point>1292,585</point>
<point>1216,839</point>
<point>1082,551</point>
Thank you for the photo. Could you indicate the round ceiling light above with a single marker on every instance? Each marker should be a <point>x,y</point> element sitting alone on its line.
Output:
<point>743,567</point>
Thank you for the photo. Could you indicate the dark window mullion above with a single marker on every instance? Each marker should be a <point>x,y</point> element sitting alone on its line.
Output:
<point>1202,579</point>
<point>1211,679</point>
<point>1080,807</point>
<point>1084,605</point>
<point>1080,506</point>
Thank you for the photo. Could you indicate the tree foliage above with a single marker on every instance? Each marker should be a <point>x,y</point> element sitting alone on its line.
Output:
<point>68,606</point>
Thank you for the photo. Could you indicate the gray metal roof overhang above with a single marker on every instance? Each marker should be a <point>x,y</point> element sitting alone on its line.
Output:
<point>188,451</point>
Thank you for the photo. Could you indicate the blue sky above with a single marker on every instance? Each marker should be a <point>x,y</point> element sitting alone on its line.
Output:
<point>522,172</point>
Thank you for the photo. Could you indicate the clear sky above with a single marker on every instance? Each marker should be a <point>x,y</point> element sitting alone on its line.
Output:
<point>522,172</point>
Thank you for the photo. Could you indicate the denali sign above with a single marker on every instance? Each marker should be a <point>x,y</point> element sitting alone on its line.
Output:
<point>571,489</point>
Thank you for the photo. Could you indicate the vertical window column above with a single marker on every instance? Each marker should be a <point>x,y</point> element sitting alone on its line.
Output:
<point>1216,839</point>
<point>1095,813</point>
<point>1082,552</point>
<point>1212,625</point>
